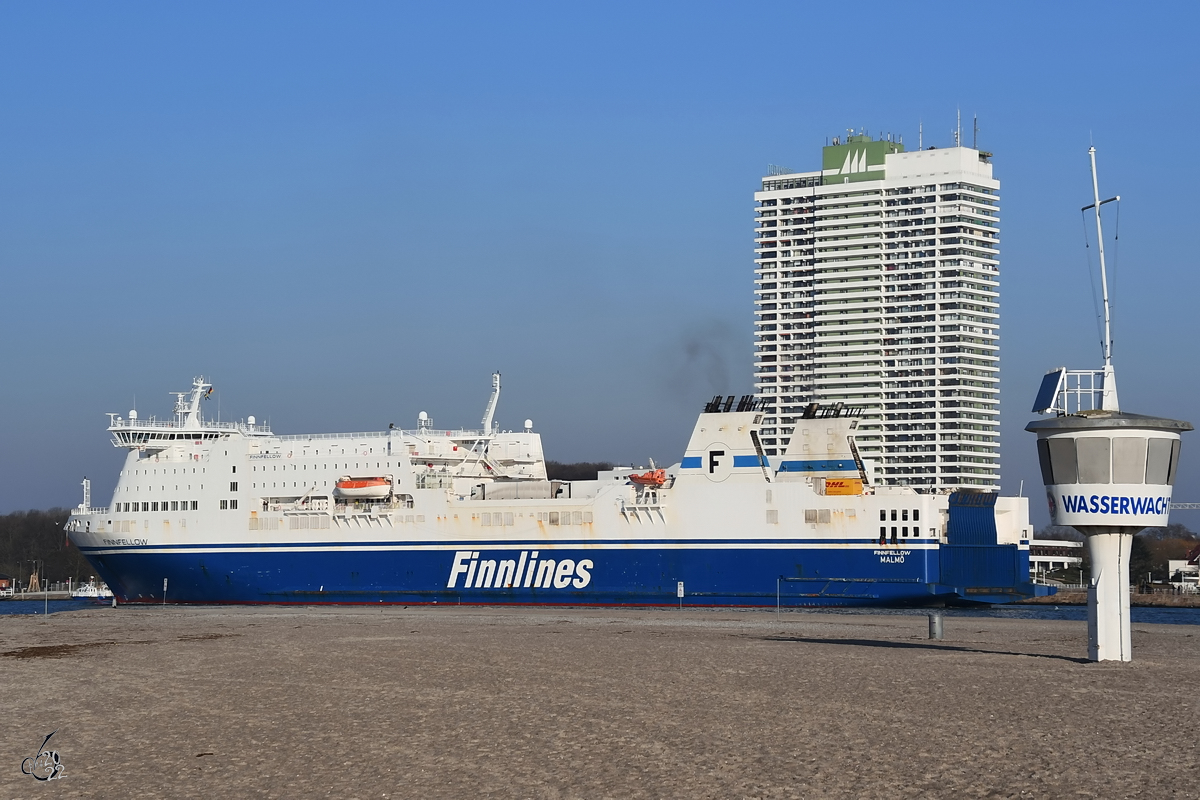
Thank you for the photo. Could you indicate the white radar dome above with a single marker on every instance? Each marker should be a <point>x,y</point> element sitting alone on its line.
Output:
<point>250,420</point>
<point>528,424</point>
<point>422,416</point>
<point>133,413</point>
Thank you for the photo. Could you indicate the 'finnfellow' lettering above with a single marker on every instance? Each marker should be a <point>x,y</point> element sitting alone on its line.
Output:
<point>526,572</point>
<point>1106,504</point>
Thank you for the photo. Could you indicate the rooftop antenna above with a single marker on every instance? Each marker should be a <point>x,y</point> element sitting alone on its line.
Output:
<point>975,135</point>
<point>920,135</point>
<point>958,130</point>
<point>1109,398</point>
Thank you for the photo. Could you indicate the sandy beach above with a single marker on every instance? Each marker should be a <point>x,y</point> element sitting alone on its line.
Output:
<point>478,702</point>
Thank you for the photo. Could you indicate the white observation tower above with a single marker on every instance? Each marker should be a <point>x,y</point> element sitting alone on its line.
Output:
<point>1108,474</point>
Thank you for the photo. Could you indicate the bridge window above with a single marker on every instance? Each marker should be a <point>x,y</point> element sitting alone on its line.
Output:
<point>1161,455</point>
<point>1129,459</point>
<point>1095,459</point>
<point>1057,457</point>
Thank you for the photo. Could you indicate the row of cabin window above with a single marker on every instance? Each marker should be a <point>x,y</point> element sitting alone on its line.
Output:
<point>144,437</point>
<point>904,532</point>
<point>1103,459</point>
<point>275,467</point>
<point>228,504</point>
<point>158,505</point>
<point>916,515</point>
<point>561,518</point>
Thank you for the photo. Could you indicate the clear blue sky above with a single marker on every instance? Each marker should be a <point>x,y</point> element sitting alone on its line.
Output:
<point>347,213</point>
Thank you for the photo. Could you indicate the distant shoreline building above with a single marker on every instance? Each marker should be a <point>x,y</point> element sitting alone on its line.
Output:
<point>877,285</point>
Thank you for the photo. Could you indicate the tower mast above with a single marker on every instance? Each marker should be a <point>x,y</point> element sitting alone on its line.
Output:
<point>1109,397</point>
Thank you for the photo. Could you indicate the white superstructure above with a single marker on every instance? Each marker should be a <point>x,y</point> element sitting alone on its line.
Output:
<point>209,468</point>
<point>877,285</point>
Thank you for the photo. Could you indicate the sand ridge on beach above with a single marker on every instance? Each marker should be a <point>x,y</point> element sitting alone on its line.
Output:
<point>464,702</point>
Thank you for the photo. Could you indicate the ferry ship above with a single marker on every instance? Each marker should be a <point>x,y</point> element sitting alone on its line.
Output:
<point>230,512</point>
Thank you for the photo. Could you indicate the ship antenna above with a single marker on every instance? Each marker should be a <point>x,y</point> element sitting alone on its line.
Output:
<point>1109,397</point>
<point>490,411</point>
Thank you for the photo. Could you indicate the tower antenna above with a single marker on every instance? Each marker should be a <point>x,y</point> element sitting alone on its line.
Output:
<point>1109,398</point>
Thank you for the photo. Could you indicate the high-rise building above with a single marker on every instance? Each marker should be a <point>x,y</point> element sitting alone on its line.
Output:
<point>877,284</point>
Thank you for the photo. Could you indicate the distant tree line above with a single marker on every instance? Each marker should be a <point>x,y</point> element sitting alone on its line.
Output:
<point>35,541</point>
<point>579,471</point>
<point>1149,553</point>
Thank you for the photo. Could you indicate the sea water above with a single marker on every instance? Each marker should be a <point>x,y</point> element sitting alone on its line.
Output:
<point>1137,614</point>
<point>41,606</point>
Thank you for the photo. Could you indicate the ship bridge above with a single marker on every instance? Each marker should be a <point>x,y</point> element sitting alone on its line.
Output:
<point>187,426</point>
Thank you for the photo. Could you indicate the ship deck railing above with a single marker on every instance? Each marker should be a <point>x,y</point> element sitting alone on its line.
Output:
<point>173,425</point>
<point>419,433</point>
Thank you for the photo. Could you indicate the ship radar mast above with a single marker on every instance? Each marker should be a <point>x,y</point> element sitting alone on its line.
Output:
<point>187,411</point>
<point>490,411</point>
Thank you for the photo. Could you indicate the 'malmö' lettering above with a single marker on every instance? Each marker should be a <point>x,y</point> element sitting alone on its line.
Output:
<point>527,572</point>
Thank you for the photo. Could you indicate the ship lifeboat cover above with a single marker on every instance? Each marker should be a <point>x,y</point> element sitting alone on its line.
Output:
<point>374,487</point>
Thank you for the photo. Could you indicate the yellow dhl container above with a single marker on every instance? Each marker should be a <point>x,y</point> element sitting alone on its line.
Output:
<point>843,486</point>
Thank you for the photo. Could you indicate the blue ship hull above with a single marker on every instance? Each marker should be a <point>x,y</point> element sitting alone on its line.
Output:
<point>712,573</point>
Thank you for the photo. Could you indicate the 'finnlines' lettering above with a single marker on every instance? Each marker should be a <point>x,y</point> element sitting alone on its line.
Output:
<point>526,572</point>
<point>1105,504</point>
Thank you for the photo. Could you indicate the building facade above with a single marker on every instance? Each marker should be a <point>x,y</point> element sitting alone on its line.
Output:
<point>877,284</point>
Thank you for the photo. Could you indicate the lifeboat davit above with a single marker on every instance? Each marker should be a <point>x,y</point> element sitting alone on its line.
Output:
<point>655,477</point>
<point>364,488</point>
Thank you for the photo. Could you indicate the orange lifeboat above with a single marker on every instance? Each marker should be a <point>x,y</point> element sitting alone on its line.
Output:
<point>655,477</point>
<point>364,488</point>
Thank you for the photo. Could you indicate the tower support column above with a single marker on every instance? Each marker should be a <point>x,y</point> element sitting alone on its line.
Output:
<point>1108,597</point>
